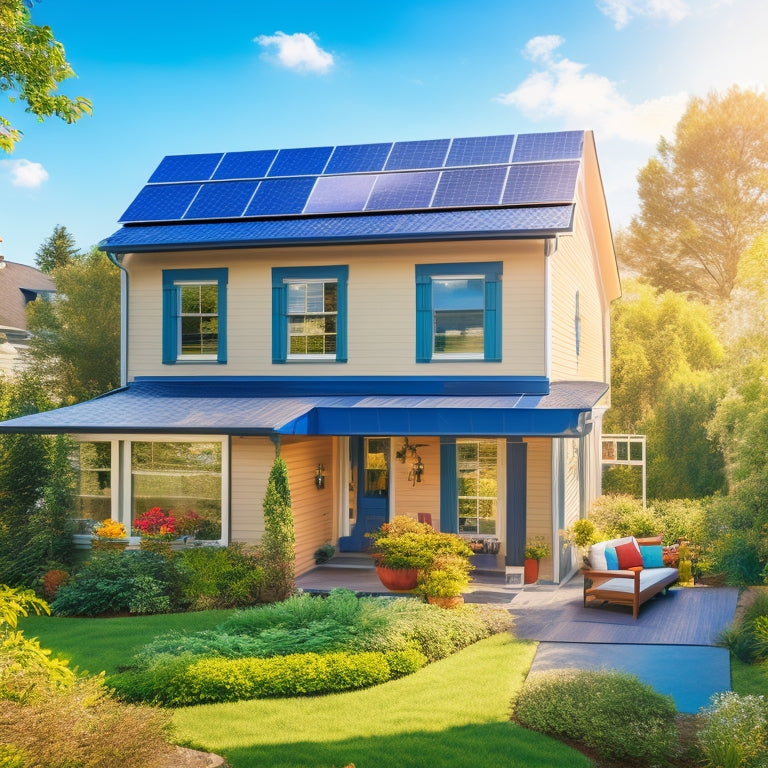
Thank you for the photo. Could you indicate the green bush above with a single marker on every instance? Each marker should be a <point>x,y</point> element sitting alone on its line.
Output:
<point>735,733</point>
<point>113,582</point>
<point>405,662</point>
<point>611,712</point>
<point>748,640</point>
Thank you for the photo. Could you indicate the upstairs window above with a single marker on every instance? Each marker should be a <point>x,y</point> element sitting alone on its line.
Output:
<point>458,312</point>
<point>309,314</point>
<point>194,315</point>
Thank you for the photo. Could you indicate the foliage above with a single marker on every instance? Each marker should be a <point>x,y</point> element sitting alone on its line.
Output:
<point>324,553</point>
<point>279,540</point>
<point>537,549</point>
<point>447,576</point>
<point>155,522</point>
<point>748,640</point>
<point>84,726</point>
<point>581,533</point>
<point>702,198</point>
<point>52,580</point>
<point>110,529</point>
<point>32,65</point>
<point>735,732</point>
<point>58,250</point>
<point>611,712</point>
<point>75,349</point>
<point>114,582</point>
<point>222,577</point>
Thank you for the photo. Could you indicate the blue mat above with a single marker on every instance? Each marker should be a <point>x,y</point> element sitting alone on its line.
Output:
<point>690,674</point>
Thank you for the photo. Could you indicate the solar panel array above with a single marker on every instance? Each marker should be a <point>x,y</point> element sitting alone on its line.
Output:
<point>473,172</point>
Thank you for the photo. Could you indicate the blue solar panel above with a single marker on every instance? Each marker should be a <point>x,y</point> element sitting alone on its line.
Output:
<point>480,150</point>
<point>186,168</point>
<point>394,191</point>
<point>541,183</point>
<point>245,165</point>
<point>339,194</point>
<point>280,196</point>
<point>224,200</point>
<point>358,158</point>
<point>407,155</point>
<point>165,202</point>
<point>470,186</point>
<point>564,145</point>
<point>300,162</point>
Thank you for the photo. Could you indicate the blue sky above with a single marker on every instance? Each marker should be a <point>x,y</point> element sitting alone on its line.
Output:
<point>179,77</point>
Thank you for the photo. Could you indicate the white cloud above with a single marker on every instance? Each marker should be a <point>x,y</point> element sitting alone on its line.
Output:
<point>298,52</point>
<point>563,89</point>
<point>623,11</point>
<point>25,173</point>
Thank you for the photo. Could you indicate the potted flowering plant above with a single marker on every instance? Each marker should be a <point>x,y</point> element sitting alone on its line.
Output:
<point>536,549</point>
<point>156,529</point>
<point>109,534</point>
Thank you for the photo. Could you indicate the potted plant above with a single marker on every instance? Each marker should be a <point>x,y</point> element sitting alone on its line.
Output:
<point>109,534</point>
<point>535,550</point>
<point>581,534</point>
<point>443,583</point>
<point>156,529</point>
<point>324,553</point>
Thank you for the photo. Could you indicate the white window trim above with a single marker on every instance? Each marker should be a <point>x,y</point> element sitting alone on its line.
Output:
<point>448,356</point>
<point>309,357</point>
<point>192,358</point>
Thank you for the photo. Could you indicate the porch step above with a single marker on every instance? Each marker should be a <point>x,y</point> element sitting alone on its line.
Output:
<point>350,560</point>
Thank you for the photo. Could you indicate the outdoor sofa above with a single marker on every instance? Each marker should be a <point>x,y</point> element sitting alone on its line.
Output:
<point>623,572</point>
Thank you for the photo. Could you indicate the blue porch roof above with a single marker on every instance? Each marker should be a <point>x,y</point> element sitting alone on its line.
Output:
<point>250,407</point>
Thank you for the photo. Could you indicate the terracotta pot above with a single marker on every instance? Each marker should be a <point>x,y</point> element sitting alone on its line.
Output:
<point>531,571</point>
<point>398,579</point>
<point>446,602</point>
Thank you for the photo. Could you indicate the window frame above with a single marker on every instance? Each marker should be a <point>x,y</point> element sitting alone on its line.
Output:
<point>284,276</point>
<point>173,280</point>
<point>491,273</point>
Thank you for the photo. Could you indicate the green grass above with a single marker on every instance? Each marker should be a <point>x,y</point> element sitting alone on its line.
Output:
<point>749,679</point>
<point>102,645</point>
<point>453,714</point>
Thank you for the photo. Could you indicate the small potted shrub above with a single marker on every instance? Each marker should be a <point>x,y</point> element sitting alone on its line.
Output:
<point>443,583</point>
<point>324,553</point>
<point>156,529</point>
<point>536,549</point>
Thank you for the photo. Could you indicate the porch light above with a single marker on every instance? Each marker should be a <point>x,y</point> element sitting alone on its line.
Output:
<point>320,477</point>
<point>417,470</point>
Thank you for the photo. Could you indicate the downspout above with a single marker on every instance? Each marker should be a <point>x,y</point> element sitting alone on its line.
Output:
<point>123,318</point>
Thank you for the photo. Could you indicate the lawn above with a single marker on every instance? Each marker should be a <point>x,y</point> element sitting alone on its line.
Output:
<point>452,714</point>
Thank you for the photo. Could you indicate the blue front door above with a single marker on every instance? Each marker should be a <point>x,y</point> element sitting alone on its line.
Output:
<point>369,490</point>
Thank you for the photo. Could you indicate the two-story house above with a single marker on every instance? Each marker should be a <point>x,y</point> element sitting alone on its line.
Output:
<point>418,328</point>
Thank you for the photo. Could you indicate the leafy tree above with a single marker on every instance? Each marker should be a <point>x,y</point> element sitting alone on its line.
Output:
<point>704,197</point>
<point>279,538</point>
<point>57,251</point>
<point>32,65</point>
<point>76,346</point>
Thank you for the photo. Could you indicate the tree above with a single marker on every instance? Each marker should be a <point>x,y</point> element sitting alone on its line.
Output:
<point>279,540</point>
<point>57,251</point>
<point>703,198</point>
<point>76,343</point>
<point>32,65</point>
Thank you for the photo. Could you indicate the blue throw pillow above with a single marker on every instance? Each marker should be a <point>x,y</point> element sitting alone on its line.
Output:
<point>652,557</point>
<point>611,559</point>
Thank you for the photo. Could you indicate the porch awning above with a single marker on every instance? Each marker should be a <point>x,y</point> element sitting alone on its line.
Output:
<point>244,408</point>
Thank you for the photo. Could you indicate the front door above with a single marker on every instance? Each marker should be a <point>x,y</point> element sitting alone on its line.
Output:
<point>369,490</point>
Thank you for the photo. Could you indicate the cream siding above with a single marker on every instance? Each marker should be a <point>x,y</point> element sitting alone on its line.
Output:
<point>382,309</point>
<point>538,521</point>
<point>313,508</point>
<point>252,459</point>
<point>411,498</point>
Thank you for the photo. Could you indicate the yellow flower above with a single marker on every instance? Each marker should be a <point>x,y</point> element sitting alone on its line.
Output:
<point>110,529</point>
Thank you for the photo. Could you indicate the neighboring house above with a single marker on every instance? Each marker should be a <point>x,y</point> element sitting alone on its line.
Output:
<point>418,328</point>
<point>19,284</point>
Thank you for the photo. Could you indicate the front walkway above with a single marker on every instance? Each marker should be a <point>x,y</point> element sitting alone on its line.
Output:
<point>671,646</point>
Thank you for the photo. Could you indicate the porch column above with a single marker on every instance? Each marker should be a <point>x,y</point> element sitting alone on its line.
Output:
<point>517,452</point>
<point>449,486</point>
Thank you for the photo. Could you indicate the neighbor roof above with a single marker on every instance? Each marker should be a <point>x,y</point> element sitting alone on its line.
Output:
<point>477,187</point>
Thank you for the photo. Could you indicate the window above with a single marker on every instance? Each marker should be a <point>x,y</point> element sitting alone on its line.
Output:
<point>92,462</point>
<point>309,314</point>
<point>458,312</point>
<point>476,464</point>
<point>194,315</point>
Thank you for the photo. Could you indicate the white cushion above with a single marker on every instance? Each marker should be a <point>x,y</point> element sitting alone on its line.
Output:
<point>648,577</point>
<point>597,552</point>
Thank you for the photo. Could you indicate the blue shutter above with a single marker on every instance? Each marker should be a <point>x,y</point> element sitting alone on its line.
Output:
<point>449,486</point>
<point>492,330</point>
<point>279,321</point>
<point>423,315</point>
<point>221,356</point>
<point>170,321</point>
<point>342,279</point>
<point>517,458</point>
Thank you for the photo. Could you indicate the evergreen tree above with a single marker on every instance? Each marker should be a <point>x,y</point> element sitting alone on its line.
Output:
<point>278,542</point>
<point>58,250</point>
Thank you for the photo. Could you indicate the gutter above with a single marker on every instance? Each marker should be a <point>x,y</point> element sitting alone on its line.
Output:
<point>123,317</point>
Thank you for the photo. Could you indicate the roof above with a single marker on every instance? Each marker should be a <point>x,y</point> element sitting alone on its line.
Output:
<point>19,284</point>
<point>476,187</point>
<point>250,407</point>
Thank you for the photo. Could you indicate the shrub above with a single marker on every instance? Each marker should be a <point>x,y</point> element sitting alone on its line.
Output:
<point>611,712</point>
<point>735,733</point>
<point>748,640</point>
<point>279,539</point>
<point>113,582</point>
<point>85,727</point>
<point>52,580</point>
<point>405,662</point>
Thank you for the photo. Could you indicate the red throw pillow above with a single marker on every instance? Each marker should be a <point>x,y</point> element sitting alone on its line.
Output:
<point>628,555</point>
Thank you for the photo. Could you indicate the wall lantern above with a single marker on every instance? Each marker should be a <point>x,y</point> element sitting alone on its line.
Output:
<point>417,470</point>
<point>320,477</point>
